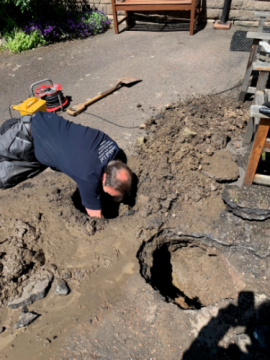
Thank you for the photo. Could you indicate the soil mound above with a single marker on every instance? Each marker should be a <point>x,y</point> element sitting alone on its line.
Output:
<point>179,147</point>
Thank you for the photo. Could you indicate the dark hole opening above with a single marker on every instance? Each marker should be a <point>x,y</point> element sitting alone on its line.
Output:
<point>161,278</point>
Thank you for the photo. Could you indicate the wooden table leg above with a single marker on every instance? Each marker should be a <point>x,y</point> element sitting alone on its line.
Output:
<point>256,151</point>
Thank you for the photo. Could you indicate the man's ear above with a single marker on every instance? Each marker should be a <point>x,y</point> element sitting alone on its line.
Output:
<point>103,178</point>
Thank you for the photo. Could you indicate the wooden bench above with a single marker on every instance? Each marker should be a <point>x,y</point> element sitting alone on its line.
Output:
<point>153,6</point>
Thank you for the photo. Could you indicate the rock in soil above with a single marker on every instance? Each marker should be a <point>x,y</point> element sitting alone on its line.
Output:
<point>25,319</point>
<point>248,202</point>
<point>221,167</point>
<point>37,288</point>
<point>60,287</point>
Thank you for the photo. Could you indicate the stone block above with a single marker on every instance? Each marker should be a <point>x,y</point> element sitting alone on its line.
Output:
<point>106,2</point>
<point>109,9</point>
<point>215,4</point>
<point>218,4</point>
<point>242,15</point>
<point>246,23</point>
<point>250,23</point>
<point>211,14</point>
<point>256,5</point>
<point>236,4</point>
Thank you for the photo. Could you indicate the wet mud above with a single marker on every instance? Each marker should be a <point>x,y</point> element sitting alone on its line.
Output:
<point>174,244</point>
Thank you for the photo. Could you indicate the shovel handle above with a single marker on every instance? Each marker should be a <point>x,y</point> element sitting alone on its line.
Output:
<point>105,93</point>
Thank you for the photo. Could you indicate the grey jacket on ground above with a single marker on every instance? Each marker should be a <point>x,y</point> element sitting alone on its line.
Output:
<point>17,158</point>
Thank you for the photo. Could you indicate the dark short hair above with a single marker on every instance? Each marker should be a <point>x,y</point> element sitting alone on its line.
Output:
<point>112,178</point>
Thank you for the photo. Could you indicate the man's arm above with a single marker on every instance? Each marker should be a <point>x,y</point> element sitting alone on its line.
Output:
<point>93,213</point>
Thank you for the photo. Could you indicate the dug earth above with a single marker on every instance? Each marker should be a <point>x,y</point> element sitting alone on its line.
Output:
<point>183,247</point>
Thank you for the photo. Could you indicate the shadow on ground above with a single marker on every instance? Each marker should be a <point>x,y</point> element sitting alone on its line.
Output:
<point>243,316</point>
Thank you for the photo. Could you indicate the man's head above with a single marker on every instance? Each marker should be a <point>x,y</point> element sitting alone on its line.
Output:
<point>117,179</point>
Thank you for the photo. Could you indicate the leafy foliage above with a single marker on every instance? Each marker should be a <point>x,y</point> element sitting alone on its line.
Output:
<point>29,23</point>
<point>19,41</point>
<point>82,24</point>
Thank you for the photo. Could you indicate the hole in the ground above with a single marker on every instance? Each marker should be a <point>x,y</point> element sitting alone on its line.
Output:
<point>161,279</point>
<point>161,273</point>
<point>187,274</point>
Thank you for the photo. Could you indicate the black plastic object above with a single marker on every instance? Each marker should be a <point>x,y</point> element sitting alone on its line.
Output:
<point>267,104</point>
<point>265,111</point>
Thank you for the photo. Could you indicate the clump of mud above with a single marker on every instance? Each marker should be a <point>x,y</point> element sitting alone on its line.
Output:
<point>67,200</point>
<point>21,255</point>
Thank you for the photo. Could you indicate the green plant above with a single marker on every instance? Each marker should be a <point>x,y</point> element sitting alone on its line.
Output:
<point>19,41</point>
<point>96,20</point>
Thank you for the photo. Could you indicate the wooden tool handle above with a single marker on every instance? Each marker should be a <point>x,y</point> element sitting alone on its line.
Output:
<point>100,96</point>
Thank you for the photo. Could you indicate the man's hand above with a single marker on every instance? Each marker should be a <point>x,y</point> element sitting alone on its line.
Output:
<point>93,213</point>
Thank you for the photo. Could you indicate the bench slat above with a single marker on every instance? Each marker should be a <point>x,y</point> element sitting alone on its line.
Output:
<point>151,7</point>
<point>153,2</point>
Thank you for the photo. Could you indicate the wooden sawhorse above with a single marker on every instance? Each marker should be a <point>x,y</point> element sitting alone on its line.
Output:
<point>252,65</point>
<point>259,145</point>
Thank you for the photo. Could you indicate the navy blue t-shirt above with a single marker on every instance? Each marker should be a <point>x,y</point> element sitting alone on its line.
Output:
<point>78,151</point>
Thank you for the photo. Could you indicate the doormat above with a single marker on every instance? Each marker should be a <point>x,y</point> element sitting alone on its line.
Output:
<point>240,42</point>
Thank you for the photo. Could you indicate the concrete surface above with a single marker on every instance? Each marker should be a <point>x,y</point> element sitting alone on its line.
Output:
<point>171,65</point>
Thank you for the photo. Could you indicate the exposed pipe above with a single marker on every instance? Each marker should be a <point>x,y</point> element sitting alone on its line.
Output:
<point>225,11</point>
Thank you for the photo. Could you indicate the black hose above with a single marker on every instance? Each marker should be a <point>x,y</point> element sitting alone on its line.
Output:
<point>52,101</point>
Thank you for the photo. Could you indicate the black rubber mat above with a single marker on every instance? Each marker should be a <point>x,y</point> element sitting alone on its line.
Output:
<point>240,42</point>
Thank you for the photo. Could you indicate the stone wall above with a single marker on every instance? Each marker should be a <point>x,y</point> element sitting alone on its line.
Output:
<point>241,11</point>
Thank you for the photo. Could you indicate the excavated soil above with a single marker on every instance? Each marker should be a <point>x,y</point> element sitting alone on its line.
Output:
<point>169,166</point>
<point>172,224</point>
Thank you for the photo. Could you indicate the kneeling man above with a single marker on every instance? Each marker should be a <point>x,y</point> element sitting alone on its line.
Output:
<point>88,156</point>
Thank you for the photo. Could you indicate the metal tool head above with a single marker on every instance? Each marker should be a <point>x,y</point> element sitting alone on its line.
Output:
<point>128,80</point>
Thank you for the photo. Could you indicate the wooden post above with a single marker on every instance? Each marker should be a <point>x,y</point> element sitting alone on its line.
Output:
<point>192,17</point>
<point>256,151</point>
<point>115,20</point>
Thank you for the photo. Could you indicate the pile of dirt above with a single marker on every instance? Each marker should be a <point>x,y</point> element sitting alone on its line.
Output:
<point>179,148</point>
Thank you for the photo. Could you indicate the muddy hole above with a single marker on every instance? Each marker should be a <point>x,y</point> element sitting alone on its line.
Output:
<point>187,275</point>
